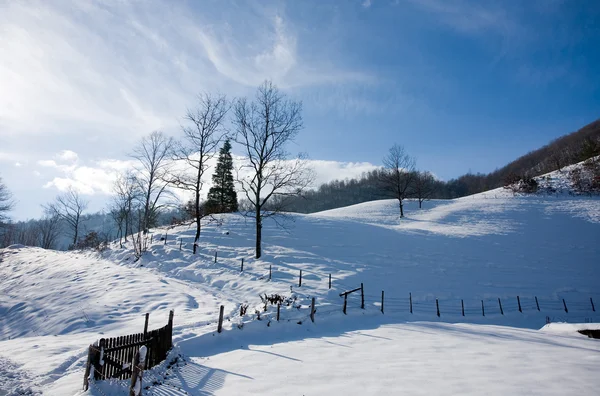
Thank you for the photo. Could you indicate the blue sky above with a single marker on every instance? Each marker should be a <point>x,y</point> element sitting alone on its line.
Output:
<point>463,85</point>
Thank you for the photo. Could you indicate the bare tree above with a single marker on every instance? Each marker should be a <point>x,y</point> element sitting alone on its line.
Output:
<point>6,202</point>
<point>264,127</point>
<point>423,186</point>
<point>49,230</point>
<point>200,141</point>
<point>69,208</point>
<point>124,207</point>
<point>398,175</point>
<point>27,233</point>
<point>151,173</point>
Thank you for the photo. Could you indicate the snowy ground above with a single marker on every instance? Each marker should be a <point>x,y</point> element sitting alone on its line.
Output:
<point>53,304</point>
<point>415,359</point>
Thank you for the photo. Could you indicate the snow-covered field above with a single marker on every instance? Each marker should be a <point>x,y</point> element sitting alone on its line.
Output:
<point>54,304</point>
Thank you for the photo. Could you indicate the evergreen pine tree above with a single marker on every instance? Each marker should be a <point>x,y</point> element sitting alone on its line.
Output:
<point>222,197</point>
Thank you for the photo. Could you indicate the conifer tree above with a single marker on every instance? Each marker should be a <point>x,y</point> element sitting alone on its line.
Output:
<point>222,197</point>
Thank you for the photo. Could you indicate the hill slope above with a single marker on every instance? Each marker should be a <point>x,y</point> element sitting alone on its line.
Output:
<point>475,249</point>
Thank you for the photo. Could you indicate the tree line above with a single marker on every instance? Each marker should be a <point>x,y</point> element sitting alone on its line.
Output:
<point>263,126</point>
<point>582,145</point>
<point>270,180</point>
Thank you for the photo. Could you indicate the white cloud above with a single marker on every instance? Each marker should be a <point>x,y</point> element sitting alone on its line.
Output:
<point>48,163</point>
<point>107,58</point>
<point>99,176</point>
<point>367,3</point>
<point>470,16</point>
<point>331,170</point>
<point>18,165</point>
<point>67,156</point>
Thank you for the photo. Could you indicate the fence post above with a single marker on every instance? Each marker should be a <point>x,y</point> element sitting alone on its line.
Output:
<point>242,266</point>
<point>135,389</point>
<point>312,310</point>
<point>382,294</point>
<point>437,307</point>
<point>269,271</point>
<point>462,305</point>
<point>166,232</point>
<point>345,303</point>
<point>180,242</point>
<point>146,326</point>
<point>98,369</point>
<point>171,314</point>
<point>300,279</point>
<point>220,326</point>
<point>86,377</point>
<point>330,283</point>
<point>362,297</point>
<point>519,302</point>
<point>536,303</point>
<point>215,256</point>
<point>592,302</point>
<point>278,309</point>
<point>565,304</point>
<point>500,303</point>
<point>410,301</point>
<point>482,309</point>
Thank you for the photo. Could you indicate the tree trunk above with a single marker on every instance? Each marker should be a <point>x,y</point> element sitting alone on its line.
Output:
<point>258,233</point>
<point>258,237</point>
<point>420,202</point>
<point>198,217</point>
<point>76,231</point>
<point>401,208</point>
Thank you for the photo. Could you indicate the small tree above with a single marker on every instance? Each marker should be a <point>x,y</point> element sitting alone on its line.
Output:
<point>151,173</point>
<point>264,127</point>
<point>423,187</point>
<point>398,174</point>
<point>6,202</point>
<point>49,230</point>
<point>69,208</point>
<point>222,197</point>
<point>125,203</point>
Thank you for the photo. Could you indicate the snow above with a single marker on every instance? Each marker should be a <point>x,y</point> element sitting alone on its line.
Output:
<point>415,359</point>
<point>54,304</point>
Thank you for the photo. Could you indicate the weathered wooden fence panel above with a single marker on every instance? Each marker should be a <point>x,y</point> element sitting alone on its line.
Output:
<point>113,357</point>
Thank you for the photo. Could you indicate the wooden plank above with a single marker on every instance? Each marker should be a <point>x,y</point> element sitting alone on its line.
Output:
<point>105,369</point>
<point>119,355</point>
<point>122,355</point>
<point>115,356</point>
<point>350,291</point>
<point>100,369</point>
<point>87,370</point>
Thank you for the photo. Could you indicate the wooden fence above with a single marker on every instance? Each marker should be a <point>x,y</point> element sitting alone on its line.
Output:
<point>113,357</point>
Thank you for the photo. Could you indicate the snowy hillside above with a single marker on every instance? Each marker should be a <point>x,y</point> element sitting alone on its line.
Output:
<point>475,249</point>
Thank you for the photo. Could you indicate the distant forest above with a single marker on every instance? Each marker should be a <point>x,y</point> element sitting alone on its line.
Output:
<point>566,150</point>
<point>98,228</point>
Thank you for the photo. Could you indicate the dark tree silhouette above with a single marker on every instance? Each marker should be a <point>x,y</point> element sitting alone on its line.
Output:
<point>69,207</point>
<point>222,197</point>
<point>151,173</point>
<point>423,187</point>
<point>6,202</point>
<point>398,175</point>
<point>264,127</point>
